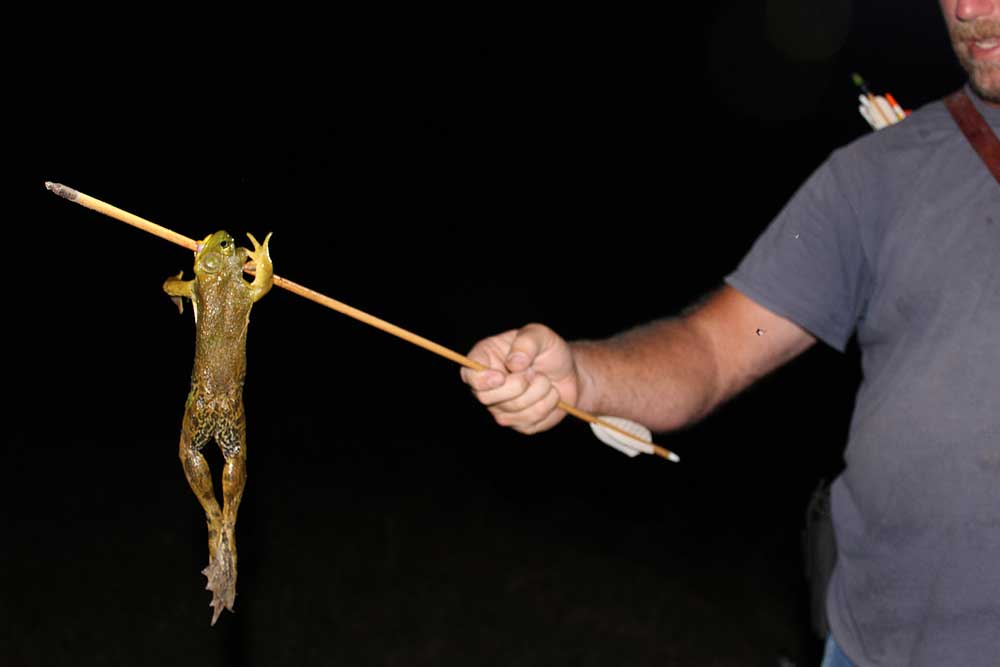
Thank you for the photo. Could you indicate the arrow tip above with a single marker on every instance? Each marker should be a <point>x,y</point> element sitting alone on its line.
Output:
<point>61,190</point>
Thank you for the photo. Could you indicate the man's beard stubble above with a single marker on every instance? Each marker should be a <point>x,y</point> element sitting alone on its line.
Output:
<point>984,77</point>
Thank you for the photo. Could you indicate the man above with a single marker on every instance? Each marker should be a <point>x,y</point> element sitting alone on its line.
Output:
<point>895,239</point>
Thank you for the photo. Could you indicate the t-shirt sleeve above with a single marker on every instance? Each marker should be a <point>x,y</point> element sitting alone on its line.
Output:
<point>809,265</point>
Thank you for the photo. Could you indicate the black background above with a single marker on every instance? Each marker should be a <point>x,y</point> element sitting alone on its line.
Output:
<point>456,174</point>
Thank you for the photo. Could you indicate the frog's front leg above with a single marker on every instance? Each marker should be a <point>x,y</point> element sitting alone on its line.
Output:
<point>177,289</point>
<point>264,271</point>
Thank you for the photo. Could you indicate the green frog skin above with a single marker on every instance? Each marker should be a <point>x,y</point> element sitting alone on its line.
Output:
<point>221,299</point>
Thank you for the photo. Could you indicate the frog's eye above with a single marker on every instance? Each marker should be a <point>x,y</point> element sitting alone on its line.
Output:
<point>224,244</point>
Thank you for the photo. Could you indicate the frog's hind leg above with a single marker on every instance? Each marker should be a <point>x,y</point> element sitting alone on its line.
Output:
<point>221,571</point>
<point>199,476</point>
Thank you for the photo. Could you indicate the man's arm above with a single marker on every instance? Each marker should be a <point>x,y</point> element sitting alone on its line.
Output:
<point>671,373</point>
<point>666,374</point>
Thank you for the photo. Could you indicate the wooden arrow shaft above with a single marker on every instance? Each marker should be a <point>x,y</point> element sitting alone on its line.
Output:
<point>192,245</point>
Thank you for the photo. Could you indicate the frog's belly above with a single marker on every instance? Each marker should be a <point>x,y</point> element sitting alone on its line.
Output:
<point>217,416</point>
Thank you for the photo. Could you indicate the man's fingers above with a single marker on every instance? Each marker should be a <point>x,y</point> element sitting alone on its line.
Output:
<point>526,345</point>
<point>541,416</point>
<point>510,389</point>
<point>483,380</point>
<point>532,388</point>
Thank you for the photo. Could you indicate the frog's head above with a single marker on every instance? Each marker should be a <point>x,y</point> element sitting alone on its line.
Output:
<point>215,251</point>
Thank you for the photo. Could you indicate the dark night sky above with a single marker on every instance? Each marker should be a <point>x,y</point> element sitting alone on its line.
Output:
<point>453,178</point>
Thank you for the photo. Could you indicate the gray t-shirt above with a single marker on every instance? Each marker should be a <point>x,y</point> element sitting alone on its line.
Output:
<point>896,239</point>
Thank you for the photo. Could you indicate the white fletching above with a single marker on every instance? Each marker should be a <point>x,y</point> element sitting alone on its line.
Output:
<point>622,442</point>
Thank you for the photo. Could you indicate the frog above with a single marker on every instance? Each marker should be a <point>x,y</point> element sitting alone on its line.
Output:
<point>221,299</point>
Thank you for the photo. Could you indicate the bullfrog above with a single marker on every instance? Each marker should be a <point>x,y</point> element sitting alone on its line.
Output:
<point>221,300</point>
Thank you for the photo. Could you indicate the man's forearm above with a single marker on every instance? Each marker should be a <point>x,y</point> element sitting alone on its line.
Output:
<point>663,374</point>
<point>672,372</point>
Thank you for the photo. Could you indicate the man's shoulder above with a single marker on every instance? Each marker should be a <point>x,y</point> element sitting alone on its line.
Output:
<point>928,123</point>
<point>909,144</point>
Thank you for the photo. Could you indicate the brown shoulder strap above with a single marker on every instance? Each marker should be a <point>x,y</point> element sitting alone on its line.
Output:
<point>976,129</point>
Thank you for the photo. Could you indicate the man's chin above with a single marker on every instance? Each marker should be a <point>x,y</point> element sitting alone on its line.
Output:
<point>984,77</point>
<point>987,87</point>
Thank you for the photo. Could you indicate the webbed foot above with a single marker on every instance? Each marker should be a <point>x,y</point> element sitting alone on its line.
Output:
<point>221,574</point>
<point>261,256</point>
<point>260,251</point>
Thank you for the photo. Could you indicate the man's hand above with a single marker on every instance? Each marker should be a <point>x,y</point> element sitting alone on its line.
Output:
<point>529,371</point>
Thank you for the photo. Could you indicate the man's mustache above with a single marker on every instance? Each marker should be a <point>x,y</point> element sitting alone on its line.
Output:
<point>975,32</point>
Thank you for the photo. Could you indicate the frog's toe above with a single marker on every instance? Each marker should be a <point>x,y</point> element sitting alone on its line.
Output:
<point>258,246</point>
<point>221,575</point>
